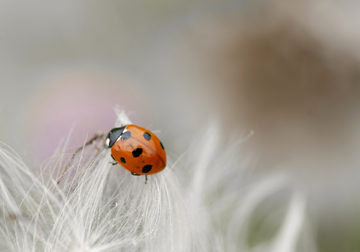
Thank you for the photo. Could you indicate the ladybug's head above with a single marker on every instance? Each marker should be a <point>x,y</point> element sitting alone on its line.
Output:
<point>113,136</point>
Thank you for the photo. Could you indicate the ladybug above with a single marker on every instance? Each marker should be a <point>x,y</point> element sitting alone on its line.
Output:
<point>137,149</point>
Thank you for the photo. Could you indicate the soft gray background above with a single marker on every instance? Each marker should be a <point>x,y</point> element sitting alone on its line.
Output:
<point>290,72</point>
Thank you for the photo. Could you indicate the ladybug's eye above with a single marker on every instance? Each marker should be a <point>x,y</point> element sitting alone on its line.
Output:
<point>113,135</point>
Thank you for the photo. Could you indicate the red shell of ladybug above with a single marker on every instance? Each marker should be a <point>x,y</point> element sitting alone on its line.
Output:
<point>137,149</point>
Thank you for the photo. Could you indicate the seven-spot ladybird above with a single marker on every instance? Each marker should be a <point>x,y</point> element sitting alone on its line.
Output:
<point>136,149</point>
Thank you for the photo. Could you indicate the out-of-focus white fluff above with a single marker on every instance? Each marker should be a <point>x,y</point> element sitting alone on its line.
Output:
<point>198,205</point>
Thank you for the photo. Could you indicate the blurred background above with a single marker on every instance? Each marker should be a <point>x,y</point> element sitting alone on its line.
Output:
<point>287,70</point>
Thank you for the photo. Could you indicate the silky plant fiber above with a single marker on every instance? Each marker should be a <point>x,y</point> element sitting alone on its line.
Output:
<point>194,205</point>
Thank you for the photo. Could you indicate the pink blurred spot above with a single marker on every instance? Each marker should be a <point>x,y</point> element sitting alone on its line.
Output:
<point>84,101</point>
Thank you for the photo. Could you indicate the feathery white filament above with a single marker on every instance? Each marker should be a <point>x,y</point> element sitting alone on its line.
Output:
<point>99,207</point>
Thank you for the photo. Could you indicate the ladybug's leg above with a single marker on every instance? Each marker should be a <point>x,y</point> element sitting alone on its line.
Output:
<point>134,174</point>
<point>113,163</point>
<point>145,179</point>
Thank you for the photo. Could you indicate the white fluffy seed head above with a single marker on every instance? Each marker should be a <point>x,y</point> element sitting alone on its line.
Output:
<point>194,205</point>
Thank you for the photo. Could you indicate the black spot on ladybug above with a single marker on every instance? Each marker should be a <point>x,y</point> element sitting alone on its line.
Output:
<point>126,135</point>
<point>122,160</point>
<point>146,168</point>
<point>137,152</point>
<point>162,146</point>
<point>147,136</point>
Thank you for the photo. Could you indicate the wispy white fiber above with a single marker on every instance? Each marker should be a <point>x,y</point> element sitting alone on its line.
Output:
<point>290,230</point>
<point>243,213</point>
<point>202,203</point>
